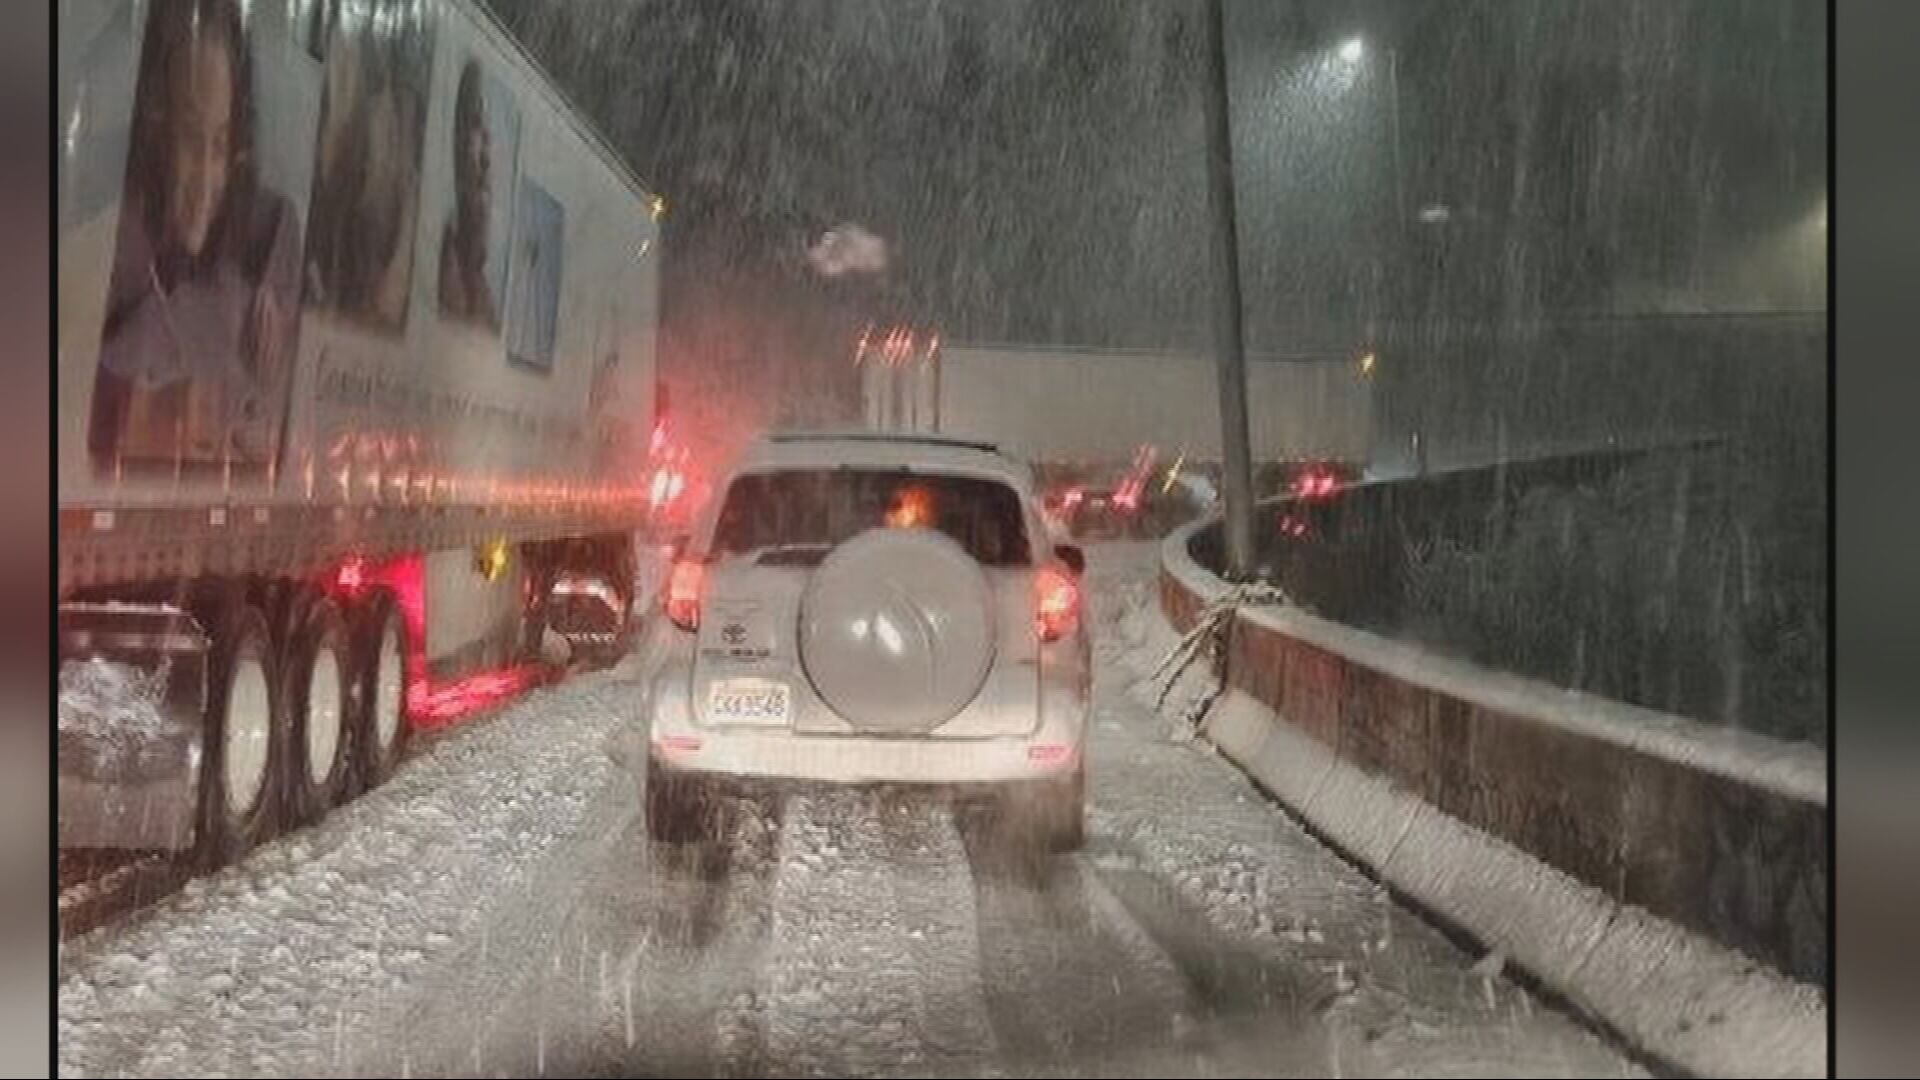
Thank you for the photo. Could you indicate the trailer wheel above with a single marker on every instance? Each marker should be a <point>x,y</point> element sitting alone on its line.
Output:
<point>382,732</point>
<point>244,744</point>
<point>324,692</point>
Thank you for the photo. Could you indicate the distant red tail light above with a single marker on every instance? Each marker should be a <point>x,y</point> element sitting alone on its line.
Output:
<point>1315,484</point>
<point>683,594</point>
<point>1056,603</point>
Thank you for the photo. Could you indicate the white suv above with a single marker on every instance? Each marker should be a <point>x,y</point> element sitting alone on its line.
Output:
<point>873,609</point>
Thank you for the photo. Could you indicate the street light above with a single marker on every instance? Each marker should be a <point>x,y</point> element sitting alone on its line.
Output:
<point>1344,63</point>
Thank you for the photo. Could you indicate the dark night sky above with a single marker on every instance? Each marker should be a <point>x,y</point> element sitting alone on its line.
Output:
<point>1038,165</point>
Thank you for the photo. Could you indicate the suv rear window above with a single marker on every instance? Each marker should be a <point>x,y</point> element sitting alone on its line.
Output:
<point>797,516</point>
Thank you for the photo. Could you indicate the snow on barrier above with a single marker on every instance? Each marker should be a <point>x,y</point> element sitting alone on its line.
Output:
<point>1668,877</point>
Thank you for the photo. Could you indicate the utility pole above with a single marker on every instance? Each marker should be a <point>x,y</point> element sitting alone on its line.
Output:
<point>1229,346</point>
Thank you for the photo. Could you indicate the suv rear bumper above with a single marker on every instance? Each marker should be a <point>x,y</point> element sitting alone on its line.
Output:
<point>769,789</point>
<point>841,759</point>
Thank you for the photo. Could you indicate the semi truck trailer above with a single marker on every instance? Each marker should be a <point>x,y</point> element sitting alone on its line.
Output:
<point>355,375</point>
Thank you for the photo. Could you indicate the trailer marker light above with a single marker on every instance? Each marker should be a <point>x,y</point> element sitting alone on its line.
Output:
<point>491,560</point>
<point>351,575</point>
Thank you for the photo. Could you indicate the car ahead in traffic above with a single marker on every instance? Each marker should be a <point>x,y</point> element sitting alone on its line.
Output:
<point>1125,509</point>
<point>867,609</point>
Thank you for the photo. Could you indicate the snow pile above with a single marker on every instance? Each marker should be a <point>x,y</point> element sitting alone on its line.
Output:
<point>80,892</point>
<point>1192,668</point>
<point>1180,692</point>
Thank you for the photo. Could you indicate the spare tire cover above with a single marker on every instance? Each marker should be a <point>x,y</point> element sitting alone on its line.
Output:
<point>897,630</point>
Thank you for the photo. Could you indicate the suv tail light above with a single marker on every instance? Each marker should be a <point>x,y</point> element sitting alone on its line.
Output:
<point>1056,603</point>
<point>683,594</point>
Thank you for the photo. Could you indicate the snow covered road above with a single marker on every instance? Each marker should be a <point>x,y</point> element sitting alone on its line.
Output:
<point>497,911</point>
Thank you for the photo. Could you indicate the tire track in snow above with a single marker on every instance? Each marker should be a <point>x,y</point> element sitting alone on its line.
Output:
<point>1073,983</point>
<point>618,958</point>
<point>873,965</point>
<point>680,1000</point>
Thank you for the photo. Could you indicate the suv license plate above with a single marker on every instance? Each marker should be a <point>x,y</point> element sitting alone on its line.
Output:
<point>760,702</point>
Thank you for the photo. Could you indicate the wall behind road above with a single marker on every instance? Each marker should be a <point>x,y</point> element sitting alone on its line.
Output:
<point>1058,404</point>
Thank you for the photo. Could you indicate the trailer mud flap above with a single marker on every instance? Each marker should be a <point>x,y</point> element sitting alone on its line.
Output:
<point>587,611</point>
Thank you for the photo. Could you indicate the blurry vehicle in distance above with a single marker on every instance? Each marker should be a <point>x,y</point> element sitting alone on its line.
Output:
<point>1142,502</point>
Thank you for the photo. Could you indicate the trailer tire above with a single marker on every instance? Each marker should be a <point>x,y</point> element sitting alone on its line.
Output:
<point>323,696</point>
<point>382,731</point>
<point>244,747</point>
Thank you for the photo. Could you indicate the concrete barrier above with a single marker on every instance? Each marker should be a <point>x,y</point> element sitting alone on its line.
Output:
<point>1667,876</point>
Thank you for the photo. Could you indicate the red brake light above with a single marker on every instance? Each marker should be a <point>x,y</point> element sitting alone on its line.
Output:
<point>1056,603</point>
<point>683,594</point>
